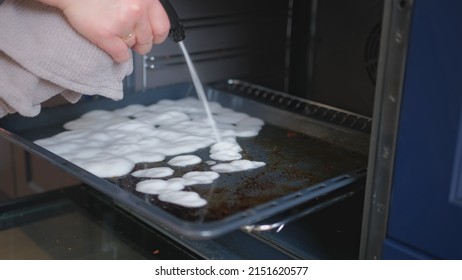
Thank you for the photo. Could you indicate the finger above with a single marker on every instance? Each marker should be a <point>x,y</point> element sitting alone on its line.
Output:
<point>115,47</point>
<point>160,23</point>
<point>143,36</point>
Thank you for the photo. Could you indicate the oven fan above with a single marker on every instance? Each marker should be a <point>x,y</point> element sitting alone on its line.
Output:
<point>371,53</point>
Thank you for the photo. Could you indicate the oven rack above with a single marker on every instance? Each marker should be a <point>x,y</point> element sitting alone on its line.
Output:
<point>296,105</point>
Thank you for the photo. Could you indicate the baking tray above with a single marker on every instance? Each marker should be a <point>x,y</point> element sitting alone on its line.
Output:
<point>306,159</point>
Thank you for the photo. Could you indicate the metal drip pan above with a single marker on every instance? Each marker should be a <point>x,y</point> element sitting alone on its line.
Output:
<point>307,159</point>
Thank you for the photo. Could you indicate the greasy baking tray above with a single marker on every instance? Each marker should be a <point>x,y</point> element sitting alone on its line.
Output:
<point>306,159</point>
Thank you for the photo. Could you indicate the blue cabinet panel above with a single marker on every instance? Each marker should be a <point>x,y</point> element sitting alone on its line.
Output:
<point>456,184</point>
<point>398,251</point>
<point>424,213</point>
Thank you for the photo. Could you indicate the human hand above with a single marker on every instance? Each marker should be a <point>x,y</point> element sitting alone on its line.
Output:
<point>117,25</point>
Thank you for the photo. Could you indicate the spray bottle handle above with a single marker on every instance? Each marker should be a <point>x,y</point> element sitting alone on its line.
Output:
<point>176,27</point>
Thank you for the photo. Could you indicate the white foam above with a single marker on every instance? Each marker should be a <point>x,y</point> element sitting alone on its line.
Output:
<point>246,131</point>
<point>237,165</point>
<point>156,172</point>
<point>130,110</point>
<point>112,167</point>
<point>88,122</point>
<point>110,143</point>
<point>200,177</point>
<point>184,160</point>
<point>226,150</point>
<point>158,186</point>
<point>145,156</point>
<point>225,155</point>
<point>186,199</point>
<point>166,118</point>
<point>227,145</point>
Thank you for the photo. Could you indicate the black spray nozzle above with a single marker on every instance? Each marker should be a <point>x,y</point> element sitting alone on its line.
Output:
<point>176,27</point>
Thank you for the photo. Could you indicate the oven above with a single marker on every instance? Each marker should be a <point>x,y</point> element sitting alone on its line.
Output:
<point>326,77</point>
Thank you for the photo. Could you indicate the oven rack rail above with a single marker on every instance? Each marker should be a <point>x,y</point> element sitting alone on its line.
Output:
<point>297,105</point>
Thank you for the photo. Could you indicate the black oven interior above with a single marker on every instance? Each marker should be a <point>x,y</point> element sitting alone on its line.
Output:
<point>274,52</point>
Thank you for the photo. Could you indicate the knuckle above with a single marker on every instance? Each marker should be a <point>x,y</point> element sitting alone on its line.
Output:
<point>145,41</point>
<point>130,13</point>
<point>160,32</point>
<point>164,27</point>
<point>142,49</point>
<point>135,8</point>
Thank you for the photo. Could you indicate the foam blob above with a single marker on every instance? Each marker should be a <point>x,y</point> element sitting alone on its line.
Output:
<point>228,145</point>
<point>184,160</point>
<point>237,165</point>
<point>112,168</point>
<point>186,199</point>
<point>158,186</point>
<point>200,177</point>
<point>227,150</point>
<point>157,172</point>
<point>225,155</point>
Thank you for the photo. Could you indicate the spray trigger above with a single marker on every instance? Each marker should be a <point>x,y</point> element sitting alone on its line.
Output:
<point>176,27</point>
